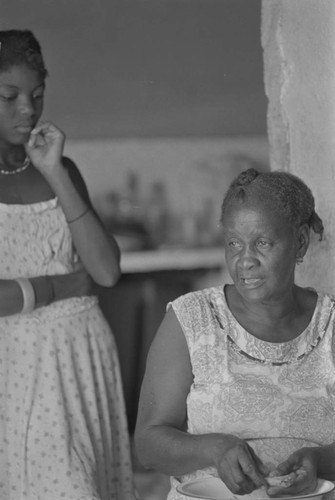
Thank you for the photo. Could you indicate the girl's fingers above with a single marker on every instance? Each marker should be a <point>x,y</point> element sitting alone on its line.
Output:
<point>35,139</point>
<point>42,134</point>
<point>31,141</point>
<point>46,129</point>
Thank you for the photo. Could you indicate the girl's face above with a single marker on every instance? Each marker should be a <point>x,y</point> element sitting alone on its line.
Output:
<point>21,103</point>
<point>261,250</point>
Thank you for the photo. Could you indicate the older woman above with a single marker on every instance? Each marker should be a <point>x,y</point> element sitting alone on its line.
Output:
<point>234,364</point>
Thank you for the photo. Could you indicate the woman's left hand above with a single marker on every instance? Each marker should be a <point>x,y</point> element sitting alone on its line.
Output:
<point>45,147</point>
<point>304,463</point>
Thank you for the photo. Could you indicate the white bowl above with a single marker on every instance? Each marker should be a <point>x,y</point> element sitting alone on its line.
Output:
<point>212,488</point>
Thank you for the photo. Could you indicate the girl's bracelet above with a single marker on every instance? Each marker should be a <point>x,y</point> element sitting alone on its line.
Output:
<point>87,209</point>
<point>28,295</point>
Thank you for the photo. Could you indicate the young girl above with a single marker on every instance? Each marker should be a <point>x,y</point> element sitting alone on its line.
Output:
<point>63,431</point>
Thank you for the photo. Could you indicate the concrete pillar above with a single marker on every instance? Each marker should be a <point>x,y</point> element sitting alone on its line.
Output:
<point>298,39</point>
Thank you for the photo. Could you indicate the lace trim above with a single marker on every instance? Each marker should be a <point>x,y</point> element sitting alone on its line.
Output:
<point>266,361</point>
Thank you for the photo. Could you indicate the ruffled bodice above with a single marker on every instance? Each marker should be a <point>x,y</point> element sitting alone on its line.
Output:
<point>34,240</point>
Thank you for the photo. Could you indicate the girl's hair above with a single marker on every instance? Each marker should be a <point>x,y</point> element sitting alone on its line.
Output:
<point>19,47</point>
<point>284,192</point>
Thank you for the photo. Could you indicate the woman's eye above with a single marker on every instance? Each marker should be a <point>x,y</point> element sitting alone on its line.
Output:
<point>234,244</point>
<point>38,96</point>
<point>263,244</point>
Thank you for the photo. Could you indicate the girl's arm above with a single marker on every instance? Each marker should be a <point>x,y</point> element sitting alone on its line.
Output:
<point>98,252</point>
<point>46,290</point>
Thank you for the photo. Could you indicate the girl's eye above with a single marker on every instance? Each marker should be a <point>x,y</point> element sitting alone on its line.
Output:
<point>8,97</point>
<point>38,96</point>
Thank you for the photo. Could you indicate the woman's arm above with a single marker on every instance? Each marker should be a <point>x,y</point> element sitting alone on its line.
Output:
<point>46,289</point>
<point>98,252</point>
<point>161,439</point>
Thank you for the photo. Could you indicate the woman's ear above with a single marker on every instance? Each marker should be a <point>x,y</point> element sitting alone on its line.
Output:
<point>302,240</point>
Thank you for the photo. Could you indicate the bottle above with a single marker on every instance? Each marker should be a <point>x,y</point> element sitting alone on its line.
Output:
<point>158,215</point>
<point>127,216</point>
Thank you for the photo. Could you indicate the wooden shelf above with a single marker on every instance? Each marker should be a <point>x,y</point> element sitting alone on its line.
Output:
<point>172,259</point>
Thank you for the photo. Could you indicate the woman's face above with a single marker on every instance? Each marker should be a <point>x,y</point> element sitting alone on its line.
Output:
<point>21,103</point>
<point>261,250</point>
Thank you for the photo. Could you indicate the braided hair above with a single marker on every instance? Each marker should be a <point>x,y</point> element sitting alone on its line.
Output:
<point>21,47</point>
<point>283,191</point>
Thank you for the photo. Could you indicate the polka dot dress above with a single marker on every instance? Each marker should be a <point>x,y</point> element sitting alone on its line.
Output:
<point>63,430</point>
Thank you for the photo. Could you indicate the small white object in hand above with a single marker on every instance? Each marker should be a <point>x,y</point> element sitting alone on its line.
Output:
<point>286,480</point>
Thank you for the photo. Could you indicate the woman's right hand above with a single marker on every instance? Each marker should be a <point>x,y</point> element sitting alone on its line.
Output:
<point>237,464</point>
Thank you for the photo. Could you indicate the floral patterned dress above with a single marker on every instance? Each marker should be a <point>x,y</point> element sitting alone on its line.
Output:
<point>257,389</point>
<point>63,430</point>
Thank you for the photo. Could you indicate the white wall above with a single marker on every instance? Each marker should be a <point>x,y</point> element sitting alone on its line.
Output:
<point>298,38</point>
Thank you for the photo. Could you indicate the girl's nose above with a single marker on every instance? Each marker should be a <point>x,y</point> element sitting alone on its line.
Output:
<point>26,107</point>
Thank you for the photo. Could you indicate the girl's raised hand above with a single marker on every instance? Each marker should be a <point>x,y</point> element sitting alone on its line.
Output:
<point>45,147</point>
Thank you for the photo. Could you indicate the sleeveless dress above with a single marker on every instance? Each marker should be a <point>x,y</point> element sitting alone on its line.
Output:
<point>63,429</point>
<point>257,390</point>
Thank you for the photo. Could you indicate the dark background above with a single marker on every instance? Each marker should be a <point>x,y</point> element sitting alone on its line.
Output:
<point>149,68</point>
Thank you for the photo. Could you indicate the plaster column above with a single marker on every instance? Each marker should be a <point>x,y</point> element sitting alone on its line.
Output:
<point>298,39</point>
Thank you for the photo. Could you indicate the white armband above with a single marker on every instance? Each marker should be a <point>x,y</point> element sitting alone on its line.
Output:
<point>28,295</point>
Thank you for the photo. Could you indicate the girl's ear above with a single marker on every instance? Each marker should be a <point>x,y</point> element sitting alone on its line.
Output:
<point>302,240</point>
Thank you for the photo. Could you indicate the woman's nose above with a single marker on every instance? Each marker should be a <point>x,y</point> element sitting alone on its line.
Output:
<point>248,259</point>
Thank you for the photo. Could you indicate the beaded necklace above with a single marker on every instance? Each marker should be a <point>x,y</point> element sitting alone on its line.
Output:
<point>18,170</point>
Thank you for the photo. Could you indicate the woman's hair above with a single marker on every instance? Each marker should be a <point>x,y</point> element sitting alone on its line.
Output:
<point>19,47</point>
<point>284,192</point>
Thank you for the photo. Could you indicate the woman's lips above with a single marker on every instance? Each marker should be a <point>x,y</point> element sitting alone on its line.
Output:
<point>251,282</point>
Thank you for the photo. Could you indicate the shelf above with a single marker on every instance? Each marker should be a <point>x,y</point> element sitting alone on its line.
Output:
<point>172,259</point>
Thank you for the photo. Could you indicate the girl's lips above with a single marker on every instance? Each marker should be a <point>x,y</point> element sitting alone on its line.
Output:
<point>24,129</point>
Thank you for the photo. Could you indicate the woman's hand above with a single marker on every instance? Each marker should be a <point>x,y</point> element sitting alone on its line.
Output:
<point>45,147</point>
<point>302,462</point>
<point>238,466</point>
